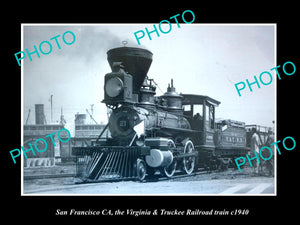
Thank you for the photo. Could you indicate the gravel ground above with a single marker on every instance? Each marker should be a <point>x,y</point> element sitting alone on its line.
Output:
<point>205,183</point>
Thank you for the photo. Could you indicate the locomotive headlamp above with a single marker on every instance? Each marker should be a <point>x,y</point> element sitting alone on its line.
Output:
<point>114,87</point>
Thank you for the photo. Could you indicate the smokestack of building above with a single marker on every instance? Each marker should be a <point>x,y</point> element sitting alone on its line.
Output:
<point>39,114</point>
<point>80,119</point>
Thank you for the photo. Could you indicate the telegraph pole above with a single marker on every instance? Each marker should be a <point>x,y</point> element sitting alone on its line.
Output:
<point>51,107</point>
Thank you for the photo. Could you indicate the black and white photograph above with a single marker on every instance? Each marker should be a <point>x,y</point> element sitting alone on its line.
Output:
<point>182,113</point>
<point>131,114</point>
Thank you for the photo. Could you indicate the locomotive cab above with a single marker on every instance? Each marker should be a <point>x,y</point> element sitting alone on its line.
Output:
<point>199,110</point>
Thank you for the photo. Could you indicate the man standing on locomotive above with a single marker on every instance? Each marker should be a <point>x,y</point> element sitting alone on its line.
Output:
<point>255,146</point>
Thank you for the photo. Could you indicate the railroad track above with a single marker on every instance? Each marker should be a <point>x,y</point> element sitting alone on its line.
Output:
<point>177,176</point>
<point>48,176</point>
<point>154,178</point>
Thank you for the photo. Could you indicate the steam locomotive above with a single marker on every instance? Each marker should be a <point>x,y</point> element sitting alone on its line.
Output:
<point>169,133</point>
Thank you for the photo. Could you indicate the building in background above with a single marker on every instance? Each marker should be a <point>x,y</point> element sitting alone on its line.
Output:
<point>38,130</point>
<point>59,152</point>
<point>85,133</point>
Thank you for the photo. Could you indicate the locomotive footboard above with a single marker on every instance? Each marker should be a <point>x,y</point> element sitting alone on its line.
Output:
<point>97,164</point>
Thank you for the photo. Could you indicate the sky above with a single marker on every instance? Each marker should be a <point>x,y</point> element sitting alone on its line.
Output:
<point>205,59</point>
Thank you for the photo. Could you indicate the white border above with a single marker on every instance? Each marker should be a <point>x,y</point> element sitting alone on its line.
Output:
<point>22,111</point>
<point>116,24</point>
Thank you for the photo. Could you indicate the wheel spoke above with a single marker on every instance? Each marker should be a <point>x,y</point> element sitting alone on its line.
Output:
<point>169,171</point>
<point>189,162</point>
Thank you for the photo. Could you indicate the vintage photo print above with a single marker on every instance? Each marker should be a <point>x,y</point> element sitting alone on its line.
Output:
<point>173,108</point>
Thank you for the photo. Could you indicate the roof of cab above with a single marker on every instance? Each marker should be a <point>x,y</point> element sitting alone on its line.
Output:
<point>198,99</point>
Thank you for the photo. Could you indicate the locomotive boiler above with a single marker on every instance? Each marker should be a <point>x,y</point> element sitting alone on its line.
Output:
<point>168,133</point>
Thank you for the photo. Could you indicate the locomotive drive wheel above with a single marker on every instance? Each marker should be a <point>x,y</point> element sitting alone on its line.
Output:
<point>141,169</point>
<point>189,161</point>
<point>169,170</point>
